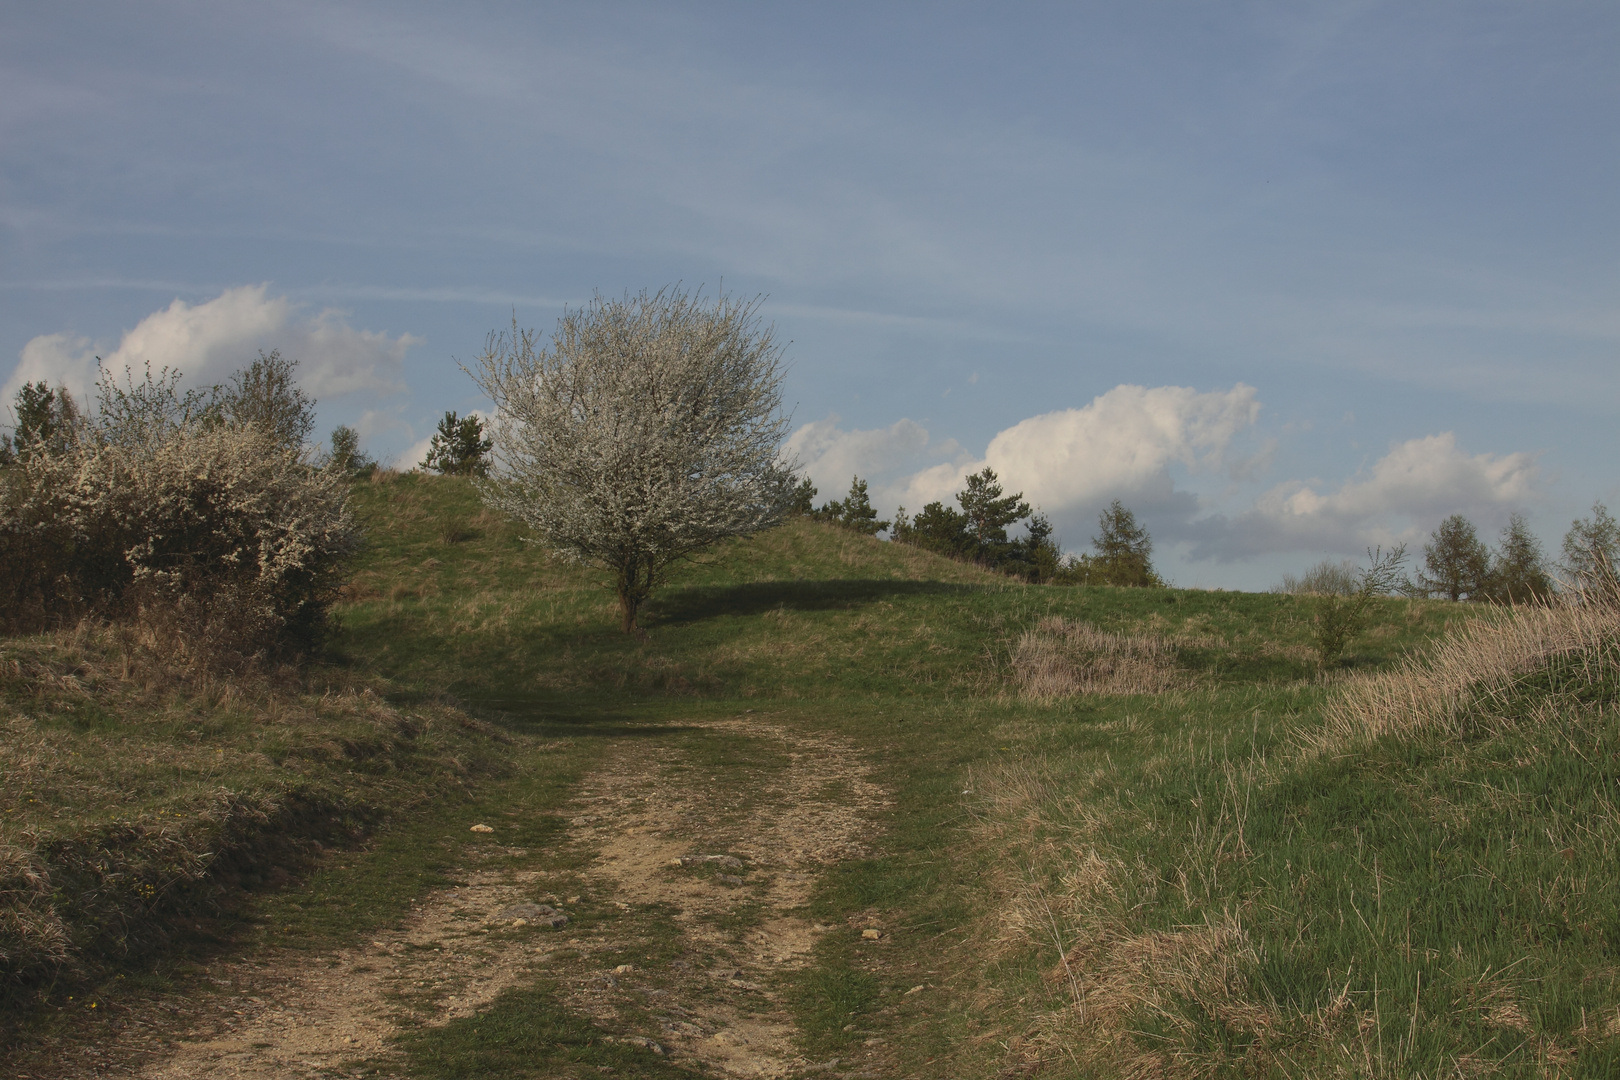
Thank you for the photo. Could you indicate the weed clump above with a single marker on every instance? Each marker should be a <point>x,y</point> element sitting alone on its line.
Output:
<point>1061,658</point>
<point>1477,676</point>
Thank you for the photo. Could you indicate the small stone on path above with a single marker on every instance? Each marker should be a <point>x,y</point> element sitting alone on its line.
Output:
<point>520,915</point>
<point>871,935</point>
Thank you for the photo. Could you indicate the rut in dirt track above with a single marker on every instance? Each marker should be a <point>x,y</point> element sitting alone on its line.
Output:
<point>707,859</point>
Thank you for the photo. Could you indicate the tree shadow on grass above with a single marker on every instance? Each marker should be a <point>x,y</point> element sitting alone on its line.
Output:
<point>698,602</point>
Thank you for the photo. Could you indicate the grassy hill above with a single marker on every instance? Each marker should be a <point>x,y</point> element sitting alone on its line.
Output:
<point>1251,869</point>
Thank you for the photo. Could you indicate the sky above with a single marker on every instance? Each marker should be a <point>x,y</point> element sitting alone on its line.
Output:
<point>1287,279</point>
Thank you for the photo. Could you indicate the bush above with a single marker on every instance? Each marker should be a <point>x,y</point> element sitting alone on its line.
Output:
<point>1326,578</point>
<point>223,538</point>
<point>1340,616</point>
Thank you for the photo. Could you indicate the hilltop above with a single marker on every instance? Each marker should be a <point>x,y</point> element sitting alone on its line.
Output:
<point>846,808</point>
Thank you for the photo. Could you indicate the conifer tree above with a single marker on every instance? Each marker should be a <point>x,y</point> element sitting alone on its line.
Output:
<point>1122,550</point>
<point>459,447</point>
<point>856,513</point>
<point>1456,564</point>
<point>1518,572</point>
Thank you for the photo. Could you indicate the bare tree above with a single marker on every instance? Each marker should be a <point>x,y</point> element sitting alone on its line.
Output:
<point>648,429</point>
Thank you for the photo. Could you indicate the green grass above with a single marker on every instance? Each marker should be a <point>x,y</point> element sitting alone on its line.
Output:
<point>526,1033</point>
<point>1227,901</point>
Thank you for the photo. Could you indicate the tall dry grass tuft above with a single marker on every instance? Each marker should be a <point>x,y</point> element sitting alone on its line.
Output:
<point>1068,894</point>
<point>1574,642</point>
<point>33,938</point>
<point>1060,658</point>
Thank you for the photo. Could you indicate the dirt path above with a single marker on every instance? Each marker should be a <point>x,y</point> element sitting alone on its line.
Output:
<point>686,861</point>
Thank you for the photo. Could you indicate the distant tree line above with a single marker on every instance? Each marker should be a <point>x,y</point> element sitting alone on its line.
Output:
<point>1459,566</point>
<point>977,530</point>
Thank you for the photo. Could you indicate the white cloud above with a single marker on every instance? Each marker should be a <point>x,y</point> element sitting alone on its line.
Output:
<point>1125,444</point>
<point>1401,498</point>
<point>1070,463</point>
<point>208,341</point>
<point>413,456</point>
<point>884,457</point>
<point>1073,461</point>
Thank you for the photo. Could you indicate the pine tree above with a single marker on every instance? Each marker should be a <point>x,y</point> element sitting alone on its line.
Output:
<point>459,447</point>
<point>1039,551</point>
<point>1123,551</point>
<point>856,512</point>
<point>1456,564</point>
<point>1518,572</point>
<point>804,499</point>
<point>988,511</point>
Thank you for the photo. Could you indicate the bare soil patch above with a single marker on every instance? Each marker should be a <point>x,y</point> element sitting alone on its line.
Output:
<point>687,865</point>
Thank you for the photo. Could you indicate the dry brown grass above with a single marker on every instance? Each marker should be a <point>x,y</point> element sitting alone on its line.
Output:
<point>140,788</point>
<point>1060,658</point>
<point>1066,892</point>
<point>1476,665</point>
<point>33,938</point>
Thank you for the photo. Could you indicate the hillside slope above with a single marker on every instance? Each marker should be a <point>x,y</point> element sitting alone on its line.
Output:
<point>1219,874</point>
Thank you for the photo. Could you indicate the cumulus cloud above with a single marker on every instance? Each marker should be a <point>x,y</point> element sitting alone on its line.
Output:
<point>1070,462</point>
<point>1401,498</point>
<point>884,457</point>
<point>208,341</point>
<point>1119,446</point>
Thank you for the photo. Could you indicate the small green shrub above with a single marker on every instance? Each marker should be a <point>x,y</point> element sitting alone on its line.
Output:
<point>1341,616</point>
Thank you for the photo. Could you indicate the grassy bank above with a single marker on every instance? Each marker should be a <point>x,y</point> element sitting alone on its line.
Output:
<point>142,806</point>
<point>1251,867</point>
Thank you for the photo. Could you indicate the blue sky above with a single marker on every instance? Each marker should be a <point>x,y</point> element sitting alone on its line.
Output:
<point>1288,279</point>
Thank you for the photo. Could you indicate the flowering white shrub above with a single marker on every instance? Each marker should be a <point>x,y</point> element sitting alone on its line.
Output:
<point>224,534</point>
<point>648,430</point>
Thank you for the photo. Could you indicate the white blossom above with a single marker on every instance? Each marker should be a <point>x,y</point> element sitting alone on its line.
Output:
<point>650,428</point>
